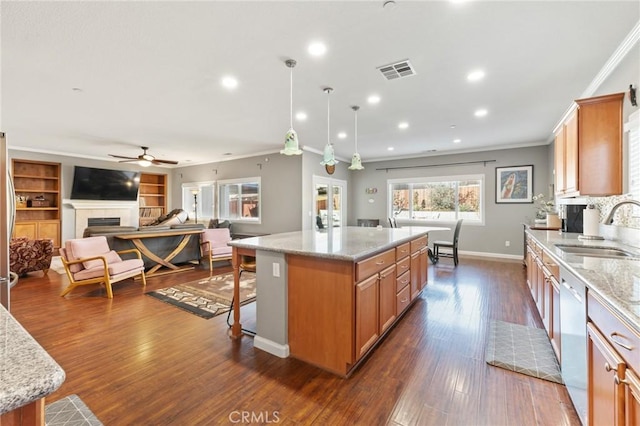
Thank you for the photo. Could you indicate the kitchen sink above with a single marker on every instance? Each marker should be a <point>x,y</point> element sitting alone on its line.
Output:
<point>597,251</point>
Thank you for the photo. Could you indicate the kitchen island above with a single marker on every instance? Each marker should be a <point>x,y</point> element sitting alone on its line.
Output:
<point>327,297</point>
<point>27,374</point>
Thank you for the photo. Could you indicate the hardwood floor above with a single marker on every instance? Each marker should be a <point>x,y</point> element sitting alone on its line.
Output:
<point>136,360</point>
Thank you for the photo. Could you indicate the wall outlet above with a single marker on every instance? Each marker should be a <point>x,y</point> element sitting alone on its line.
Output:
<point>507,243</point>
<point>276,269</point>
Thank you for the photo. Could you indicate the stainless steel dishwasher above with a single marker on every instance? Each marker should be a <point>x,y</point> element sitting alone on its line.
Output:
<point>573,339</point>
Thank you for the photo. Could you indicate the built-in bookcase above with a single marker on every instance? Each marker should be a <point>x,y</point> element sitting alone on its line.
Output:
<point>153,197</point>
<point>37,194</point>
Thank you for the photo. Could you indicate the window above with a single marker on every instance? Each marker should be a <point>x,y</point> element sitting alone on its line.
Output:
<point>437,199</point>
<point>204,196</point>
<point>239,199</point>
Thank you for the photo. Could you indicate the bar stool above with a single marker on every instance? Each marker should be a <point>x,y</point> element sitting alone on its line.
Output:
<point>247,263</point>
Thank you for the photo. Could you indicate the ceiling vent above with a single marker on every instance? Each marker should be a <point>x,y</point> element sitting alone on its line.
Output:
<point>397,70</point>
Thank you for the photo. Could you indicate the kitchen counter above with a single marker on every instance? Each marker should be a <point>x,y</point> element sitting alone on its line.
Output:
<point>615,280</point>
<point>27,371</point>
<point>348,243</point>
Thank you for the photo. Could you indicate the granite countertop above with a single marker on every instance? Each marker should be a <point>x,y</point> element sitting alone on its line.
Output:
<point>615,280</point>
<point>27,371</point>
<point>350,243</point>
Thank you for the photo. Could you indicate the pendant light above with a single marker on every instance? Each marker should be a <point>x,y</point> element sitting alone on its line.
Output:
<point>291,138</point>
<point>329,159</point>
<point>356,162</point>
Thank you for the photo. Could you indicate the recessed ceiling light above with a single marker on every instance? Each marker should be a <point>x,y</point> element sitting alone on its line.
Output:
<point>301,116</point>
<point>342,135</point>
<point>390,148</point>
<point>373,99</point>
<point>481,112</point>
<point>403,125</point>
<point>317,48</point>
<point>457,140</point>
<point>476,75</point>
<point>229,82</point>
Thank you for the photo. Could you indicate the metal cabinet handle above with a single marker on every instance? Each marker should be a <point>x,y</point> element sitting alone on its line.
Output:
<point>380,262</point>
<point>404,300</point>
<point>617,342</point>
<point>608,367</point>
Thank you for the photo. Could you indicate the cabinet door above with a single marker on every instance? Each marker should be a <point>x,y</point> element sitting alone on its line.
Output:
<point>600,145</point>
<point>547,306</point>
<point>571,154</point>
<point>366,315</point>
<point>387,297</point>
<point>555,317</point>
<point>540,289</point>
<point>415,274</point>
<point>559,155</point>
<point>632,399</point>
<point>50,230</point>
<point>26,229</point>
<point>605,394</point>
<point>424,263</point>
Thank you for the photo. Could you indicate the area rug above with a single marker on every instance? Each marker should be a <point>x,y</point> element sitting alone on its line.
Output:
<point>210,296</point>
<point>69,411</point>
<point>522,349</point>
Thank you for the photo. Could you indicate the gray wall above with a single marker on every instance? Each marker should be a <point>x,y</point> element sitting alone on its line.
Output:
<point>281,187</point>
<point>503,222</point>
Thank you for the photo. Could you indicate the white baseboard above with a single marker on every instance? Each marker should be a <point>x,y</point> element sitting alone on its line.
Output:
<point>515,257</point>
<point>281,351</point>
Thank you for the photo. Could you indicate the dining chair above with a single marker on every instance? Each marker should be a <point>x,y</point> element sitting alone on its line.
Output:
<point>449,245</point>
<point>214,246</point>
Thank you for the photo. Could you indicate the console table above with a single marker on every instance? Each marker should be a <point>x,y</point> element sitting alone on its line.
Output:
<point>144,240</point>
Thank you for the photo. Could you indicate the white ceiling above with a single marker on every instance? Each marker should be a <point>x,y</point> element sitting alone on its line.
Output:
<point>149,74</point>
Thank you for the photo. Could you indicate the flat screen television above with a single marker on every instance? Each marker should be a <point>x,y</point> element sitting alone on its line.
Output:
<point>102,184</point>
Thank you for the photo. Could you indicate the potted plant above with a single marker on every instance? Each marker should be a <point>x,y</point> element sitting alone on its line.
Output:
<point>546,212</point>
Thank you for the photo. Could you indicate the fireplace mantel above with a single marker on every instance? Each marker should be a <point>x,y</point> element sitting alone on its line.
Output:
<point>126,211</point>
<point>99,204</point>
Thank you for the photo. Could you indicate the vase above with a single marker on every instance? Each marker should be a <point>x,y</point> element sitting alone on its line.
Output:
<point>553,221</point>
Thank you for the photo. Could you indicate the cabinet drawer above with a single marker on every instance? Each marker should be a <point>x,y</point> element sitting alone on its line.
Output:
<point>402,281</point>
<point>403,250</point>
<point>377,263</point>
<point>616,332</point>
<point>403,265</point>
<point>402,300</point>
<point>418,243</point>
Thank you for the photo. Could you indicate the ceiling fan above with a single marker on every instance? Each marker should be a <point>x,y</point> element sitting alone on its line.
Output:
<point>144,159</point>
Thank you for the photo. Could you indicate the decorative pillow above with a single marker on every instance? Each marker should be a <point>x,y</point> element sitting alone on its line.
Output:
<point>112,257</point>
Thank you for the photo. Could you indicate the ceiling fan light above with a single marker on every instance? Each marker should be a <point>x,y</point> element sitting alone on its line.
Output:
<point>291,143</point>
<point>144,163</point>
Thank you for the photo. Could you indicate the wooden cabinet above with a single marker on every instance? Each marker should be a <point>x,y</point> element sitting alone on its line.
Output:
<point>339,310</point>
<point>588,151</point>
<point>613,359</point>
<point>152,197</point>
<point>387,302</point>
<point>37,192</point>
<point>418,265</point>
<point>367,315</point>
<point>543,277</point>
<point>605,396</point>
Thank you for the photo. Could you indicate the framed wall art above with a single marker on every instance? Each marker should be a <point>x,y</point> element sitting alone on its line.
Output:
<point>514,184</point>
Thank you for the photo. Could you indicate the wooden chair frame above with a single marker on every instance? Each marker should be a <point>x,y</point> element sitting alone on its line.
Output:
<point>105,278</point>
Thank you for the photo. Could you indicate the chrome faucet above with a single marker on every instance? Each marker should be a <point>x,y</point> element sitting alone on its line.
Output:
<point>609,218</point>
